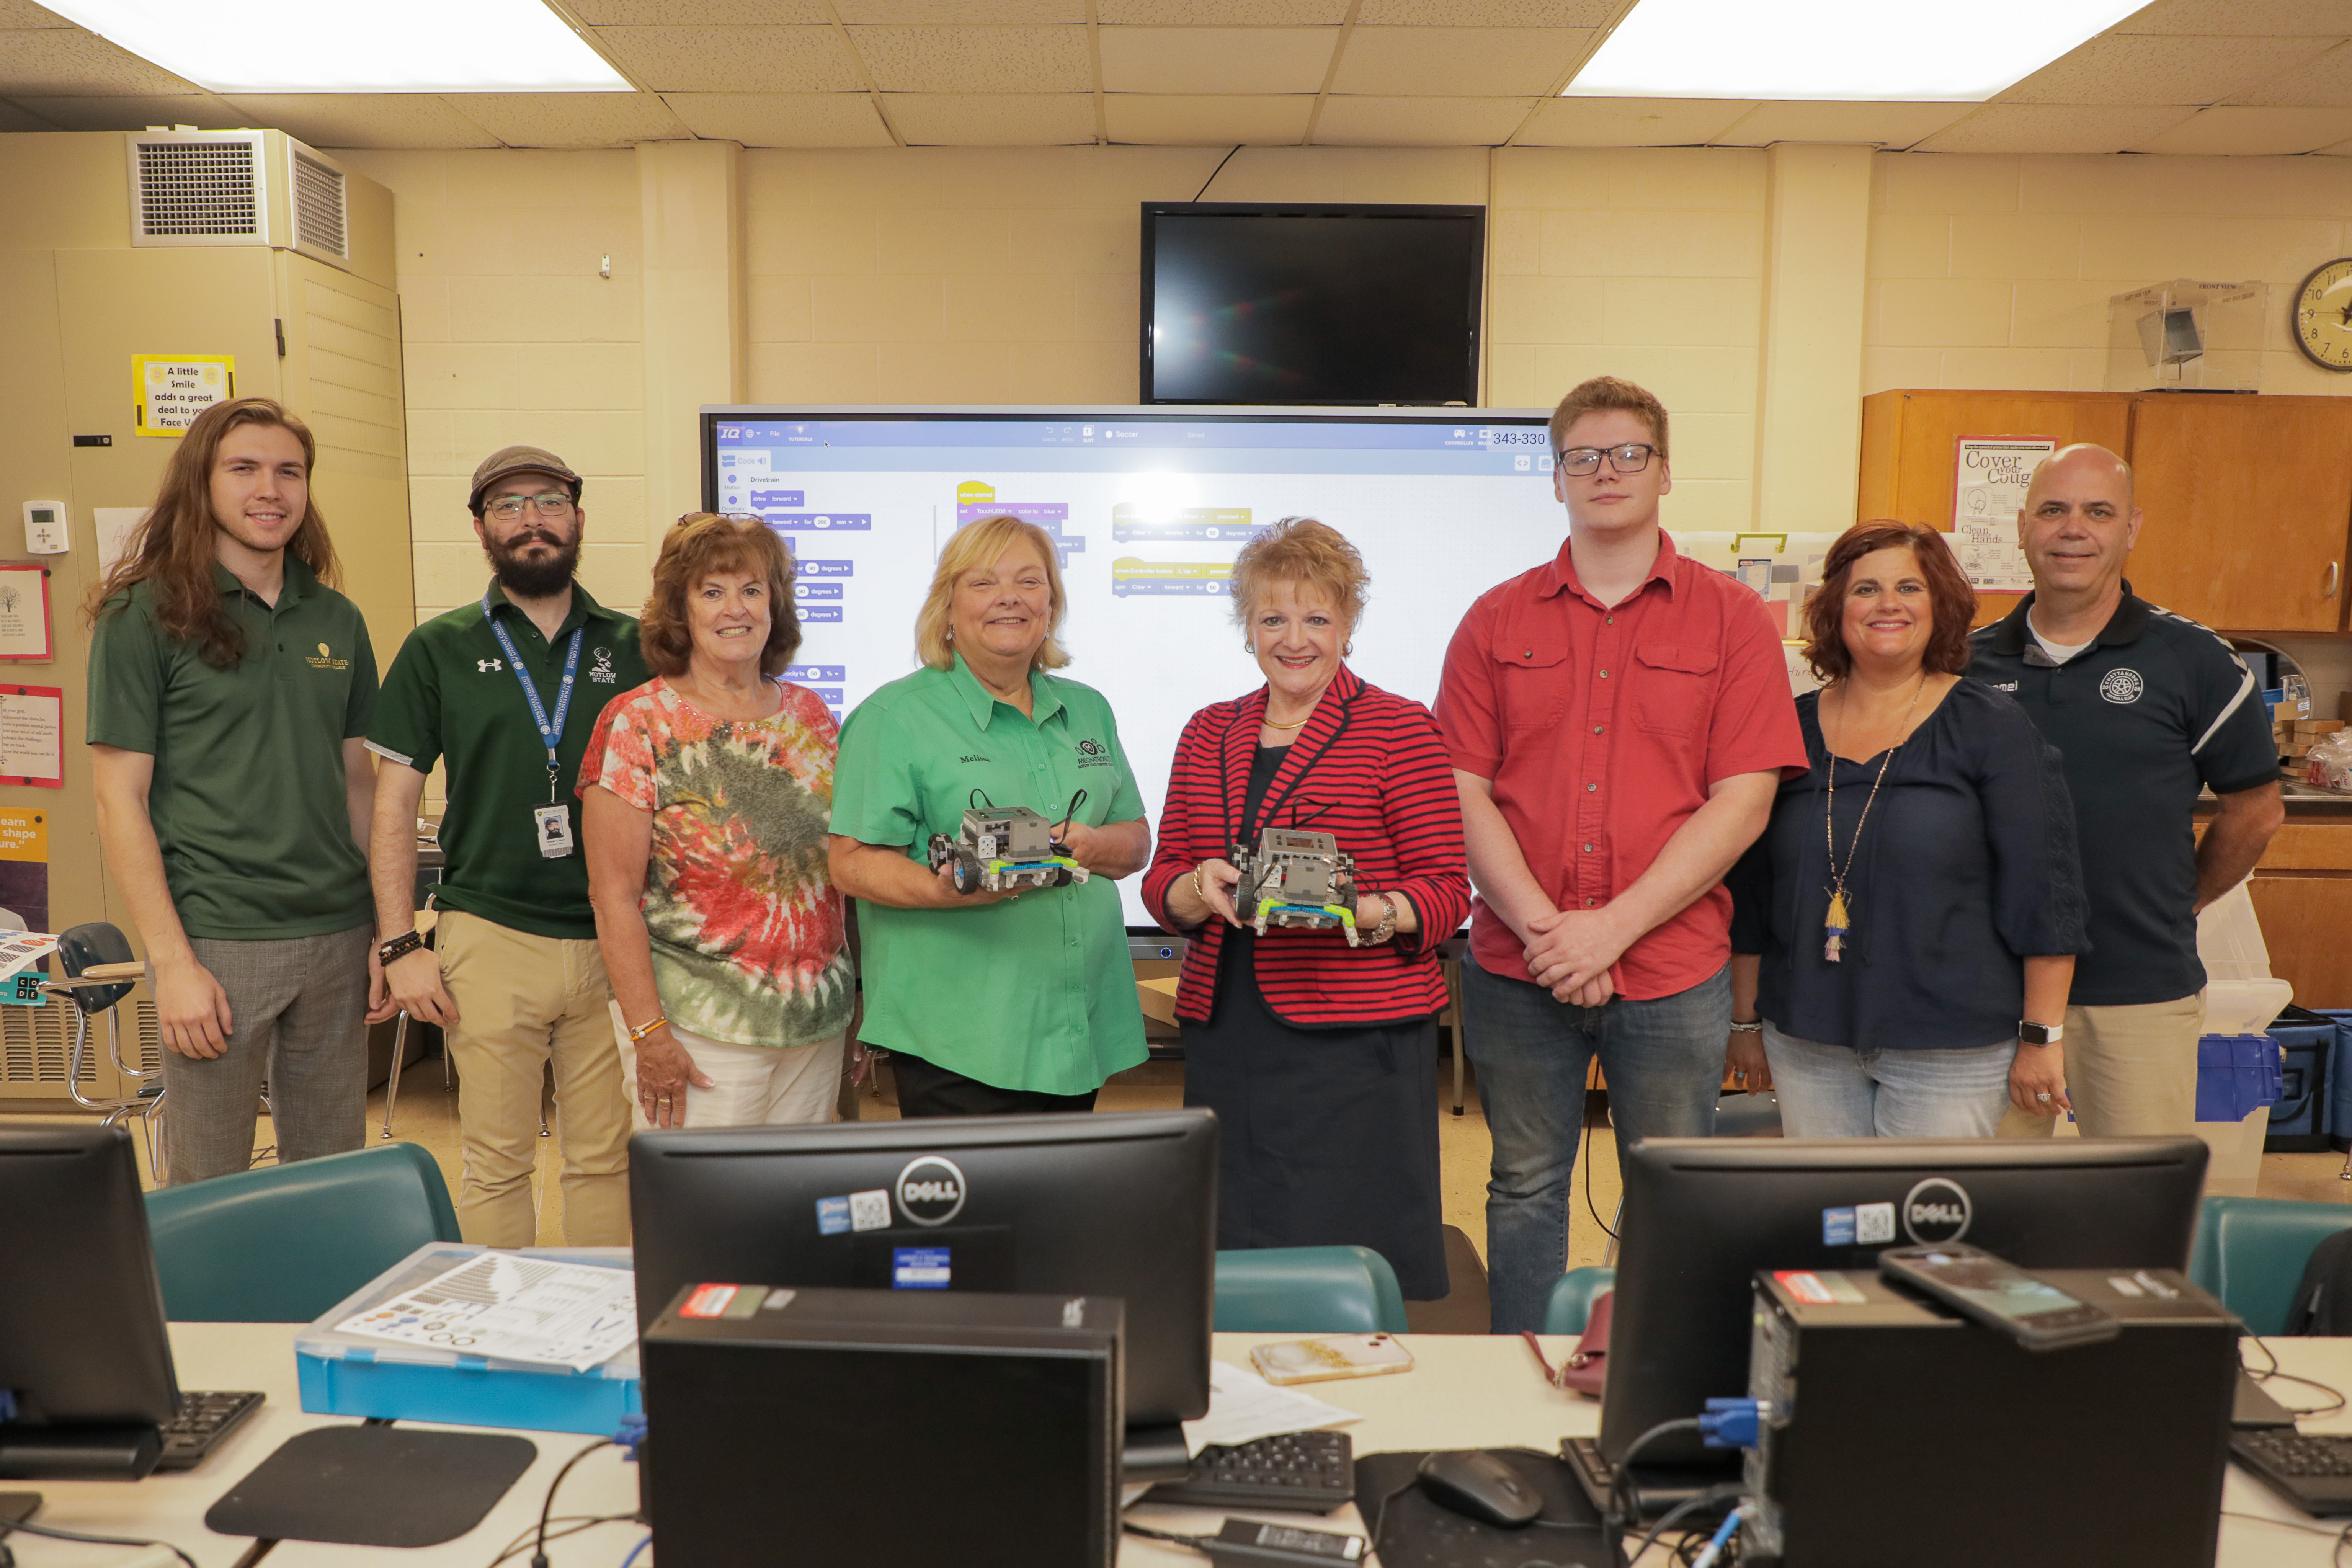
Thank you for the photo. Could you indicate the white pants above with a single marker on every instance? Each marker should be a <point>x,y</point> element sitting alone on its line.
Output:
<point>753,1085</point>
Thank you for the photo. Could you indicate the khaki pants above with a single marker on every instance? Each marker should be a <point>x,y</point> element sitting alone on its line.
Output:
<point>523,1001</point>
<point>2131,1071</point>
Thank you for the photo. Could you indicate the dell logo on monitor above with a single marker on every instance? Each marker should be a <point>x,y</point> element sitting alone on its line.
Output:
<point>1936,1210</point>
<point>931,1189</point>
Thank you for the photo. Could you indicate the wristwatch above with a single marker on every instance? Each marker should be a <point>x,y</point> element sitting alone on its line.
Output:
<point>2040,1034</point>
<point>1387,927</point>
<point>401,946</point>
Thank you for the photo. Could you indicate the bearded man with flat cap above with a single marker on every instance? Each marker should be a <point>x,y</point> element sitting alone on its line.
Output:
<point>504,695</point>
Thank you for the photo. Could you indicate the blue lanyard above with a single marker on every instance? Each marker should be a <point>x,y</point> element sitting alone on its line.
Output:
<point>550,730</point>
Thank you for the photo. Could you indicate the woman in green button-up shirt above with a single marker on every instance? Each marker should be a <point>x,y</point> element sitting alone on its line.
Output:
<point>991,1003</point>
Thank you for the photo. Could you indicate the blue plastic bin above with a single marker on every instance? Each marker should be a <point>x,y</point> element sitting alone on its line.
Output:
<point>2299,1123</point>
<point>2237,1074</point>
<point>2339,1079</point>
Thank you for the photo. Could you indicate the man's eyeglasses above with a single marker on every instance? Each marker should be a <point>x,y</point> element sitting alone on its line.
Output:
<point>1630,458</point>
<point>506,508</point>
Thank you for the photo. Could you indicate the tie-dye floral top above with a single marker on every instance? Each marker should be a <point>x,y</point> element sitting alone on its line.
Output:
<point>746,925</point>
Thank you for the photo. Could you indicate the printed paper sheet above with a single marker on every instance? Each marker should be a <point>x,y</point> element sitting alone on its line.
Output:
<point>512,1309</point>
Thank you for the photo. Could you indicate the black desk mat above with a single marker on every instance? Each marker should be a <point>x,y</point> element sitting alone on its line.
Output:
<point>1418,1533</point>
<point>373,1485</point>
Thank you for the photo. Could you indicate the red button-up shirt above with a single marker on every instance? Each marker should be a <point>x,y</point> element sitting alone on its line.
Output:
<point>1602,730</point>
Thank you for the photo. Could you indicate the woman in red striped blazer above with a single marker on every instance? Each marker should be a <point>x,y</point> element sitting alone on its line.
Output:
<point>1319,1058</point>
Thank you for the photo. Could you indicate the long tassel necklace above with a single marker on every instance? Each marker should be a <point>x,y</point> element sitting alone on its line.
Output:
<point>1839,921</point>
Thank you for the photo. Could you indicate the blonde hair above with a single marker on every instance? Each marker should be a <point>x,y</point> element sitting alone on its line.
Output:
<point>978,544</point>
<point>1307,552</point>
<point>1602,393</point>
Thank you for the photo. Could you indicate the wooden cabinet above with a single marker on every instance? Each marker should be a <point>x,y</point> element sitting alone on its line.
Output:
<point>1910,452</point>
<point>2302,895</point>
<point>2247,503</point>
<point>2247,500</point>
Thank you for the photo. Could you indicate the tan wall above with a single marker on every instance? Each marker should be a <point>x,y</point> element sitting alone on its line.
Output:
<point>1995,272</point>
<point>964,274</point>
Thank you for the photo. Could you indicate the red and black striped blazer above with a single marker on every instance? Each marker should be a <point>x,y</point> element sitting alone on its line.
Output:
<point>1369,769</point>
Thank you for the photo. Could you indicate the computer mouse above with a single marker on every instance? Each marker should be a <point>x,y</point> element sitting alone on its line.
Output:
<point>1480,1486</point>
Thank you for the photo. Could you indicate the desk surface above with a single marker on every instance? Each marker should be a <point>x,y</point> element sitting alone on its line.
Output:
<point>1465,1390</point>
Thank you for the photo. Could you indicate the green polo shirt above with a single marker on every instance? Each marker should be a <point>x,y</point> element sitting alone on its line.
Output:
<point>248,799</point>
<point>1035,993</point>
<point>451,695</point>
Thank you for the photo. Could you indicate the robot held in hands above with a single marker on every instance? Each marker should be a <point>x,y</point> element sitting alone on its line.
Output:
<point>1295,878</point>
<point>1005,848</point>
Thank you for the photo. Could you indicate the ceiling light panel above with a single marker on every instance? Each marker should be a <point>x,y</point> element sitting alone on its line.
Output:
<point>1923,50</point>
<point>303,45</point>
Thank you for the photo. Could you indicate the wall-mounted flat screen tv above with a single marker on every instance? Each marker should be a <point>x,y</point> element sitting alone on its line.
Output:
<point>1311,303</point>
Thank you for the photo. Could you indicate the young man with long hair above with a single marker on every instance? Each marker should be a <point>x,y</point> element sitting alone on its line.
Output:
<point>229,687</point>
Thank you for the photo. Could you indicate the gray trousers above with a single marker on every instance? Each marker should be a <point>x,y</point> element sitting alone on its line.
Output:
<point>299,1006</point>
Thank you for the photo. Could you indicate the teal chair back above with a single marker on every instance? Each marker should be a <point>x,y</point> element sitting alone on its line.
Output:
<point>285,1243</point>
<point>2249,1253</point>
<point>1573,1295</point>
<point>1308,1290</point>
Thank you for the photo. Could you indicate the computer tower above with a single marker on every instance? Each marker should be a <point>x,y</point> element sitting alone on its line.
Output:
<point>1901,1433</point>
<point>883,1428</point>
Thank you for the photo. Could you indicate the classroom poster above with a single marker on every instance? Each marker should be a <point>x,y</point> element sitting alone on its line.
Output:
<point>33,736</point>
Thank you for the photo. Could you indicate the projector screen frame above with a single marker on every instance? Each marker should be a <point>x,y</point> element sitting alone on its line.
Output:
<point>711,415</point>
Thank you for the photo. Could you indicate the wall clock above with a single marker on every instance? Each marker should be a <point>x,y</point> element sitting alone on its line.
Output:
<point>2322,315</point>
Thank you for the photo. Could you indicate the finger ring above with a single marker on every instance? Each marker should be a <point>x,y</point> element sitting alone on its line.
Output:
<point>2043,1097</point>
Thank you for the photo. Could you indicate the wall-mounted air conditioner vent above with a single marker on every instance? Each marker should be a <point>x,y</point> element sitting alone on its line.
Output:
<point>237,187</point>
<point>319,206</point>
<point>199,193</point>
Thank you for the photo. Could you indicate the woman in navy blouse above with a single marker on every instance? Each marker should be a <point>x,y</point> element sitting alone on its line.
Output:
<point>1917,898</point>
<point>1318,1055</point>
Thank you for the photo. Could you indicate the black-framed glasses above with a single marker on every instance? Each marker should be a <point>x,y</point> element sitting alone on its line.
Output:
<point>506,508</point>
<point>1629,459</point>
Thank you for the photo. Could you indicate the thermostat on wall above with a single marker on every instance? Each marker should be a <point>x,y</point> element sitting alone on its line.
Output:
<point>45,528</point>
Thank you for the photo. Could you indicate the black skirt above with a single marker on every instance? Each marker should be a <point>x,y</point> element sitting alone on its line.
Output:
<point>1328,1137</point>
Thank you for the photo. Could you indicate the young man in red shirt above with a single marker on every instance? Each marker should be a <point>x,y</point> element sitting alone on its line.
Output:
<point>1619,718</point>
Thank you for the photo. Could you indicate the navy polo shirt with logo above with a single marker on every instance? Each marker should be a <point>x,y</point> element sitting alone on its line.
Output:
<point>451,695</point>
<point>2156,707</point>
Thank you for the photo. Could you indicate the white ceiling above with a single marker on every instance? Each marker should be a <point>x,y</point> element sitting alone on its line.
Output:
<point>2179,77</point>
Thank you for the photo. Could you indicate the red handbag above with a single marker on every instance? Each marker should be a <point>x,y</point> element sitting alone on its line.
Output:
<point>1587,1365</point>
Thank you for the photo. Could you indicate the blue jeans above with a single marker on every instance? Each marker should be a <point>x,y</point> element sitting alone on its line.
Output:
<point>1663,1061</point>
<point>1835,1091</point>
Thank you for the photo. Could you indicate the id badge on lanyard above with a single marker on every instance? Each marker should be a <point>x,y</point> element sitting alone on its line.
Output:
<point>550,825</point>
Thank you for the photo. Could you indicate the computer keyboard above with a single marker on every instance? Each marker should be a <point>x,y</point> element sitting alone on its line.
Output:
<point>2311,1470</point>
<point>203,1420</point>
<point>1311,1472</point>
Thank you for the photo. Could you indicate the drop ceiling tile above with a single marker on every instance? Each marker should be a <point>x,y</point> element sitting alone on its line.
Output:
<point>1216,59</point>
<point>204,110</point>
<point>734,60</point>
<point>782,119</point>
<point>1223,12</point>
<point>53,62</point>
<point>1457,61</point>
<point>937,13</point>
<point>1885,125</point>
<point>698,13</point>
<point>12,118</point>
<point>2055,128</point>
<point>974,60</point>
<point>2325,83</point>
<point>25,13</point>
<point>408,120</point>
<point>1632,121</point>
<point>1168,119</point>
<point>2230,129</point>
<point>992,120</point>
<point>2137,70</point>
<point>569,119</point>
<point>1419,122</point>
<point>1486,12</point>
<point>2239,18</point>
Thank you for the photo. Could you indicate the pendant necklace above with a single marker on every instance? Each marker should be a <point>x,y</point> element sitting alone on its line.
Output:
<point>1839,921</point>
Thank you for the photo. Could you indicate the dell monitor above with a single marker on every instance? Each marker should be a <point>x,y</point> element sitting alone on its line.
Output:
<point>1106,1205</point>
<point>1702,1216</point>
<point>84,1365</point>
